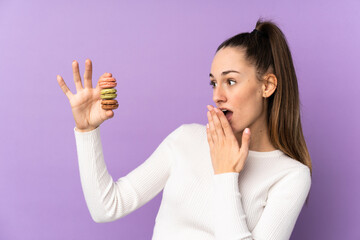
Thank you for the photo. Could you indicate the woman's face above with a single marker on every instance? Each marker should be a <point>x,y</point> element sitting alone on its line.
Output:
<point>237,89</point>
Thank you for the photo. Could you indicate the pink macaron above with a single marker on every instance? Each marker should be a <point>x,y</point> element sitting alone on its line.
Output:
<point>107,83</point>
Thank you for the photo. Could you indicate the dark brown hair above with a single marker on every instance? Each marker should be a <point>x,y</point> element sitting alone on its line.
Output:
<point>267,49</point>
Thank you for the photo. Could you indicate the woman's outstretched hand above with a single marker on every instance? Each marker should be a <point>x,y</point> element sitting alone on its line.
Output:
<point>86,103</point>
<point>226,155</point>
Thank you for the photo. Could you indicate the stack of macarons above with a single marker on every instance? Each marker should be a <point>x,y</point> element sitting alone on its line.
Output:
<point>108,93</point>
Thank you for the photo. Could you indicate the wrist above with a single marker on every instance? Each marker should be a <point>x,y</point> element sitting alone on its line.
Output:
<point>225,171</point>
<point>84,129</point>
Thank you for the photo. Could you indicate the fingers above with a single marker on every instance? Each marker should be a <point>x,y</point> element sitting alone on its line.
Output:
<point>218,127</point>
<point>212,129</point>
<point>88,74</point>
<point>106,75</point>
<point>76,75</point>
<point>63,86</point>
<point>215,124</point>
<point>225,124</point>
<point>209,134</point>
<point>209,137</point>
<point>222,126</point>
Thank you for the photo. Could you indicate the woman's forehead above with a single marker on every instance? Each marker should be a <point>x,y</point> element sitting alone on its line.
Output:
<point>229,59</point>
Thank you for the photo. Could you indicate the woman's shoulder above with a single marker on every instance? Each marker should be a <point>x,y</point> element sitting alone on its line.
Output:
<point>189,132</point>
<point>291,168</point>
<point>293,164</point>
<point>275,165</point>
<point>191,128</point>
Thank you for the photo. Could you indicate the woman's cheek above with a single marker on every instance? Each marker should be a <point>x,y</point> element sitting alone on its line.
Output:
<point>248,112</point>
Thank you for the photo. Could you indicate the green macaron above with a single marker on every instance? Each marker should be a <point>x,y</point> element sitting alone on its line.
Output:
<point>108,90</point>
<point>108,96</point>
<point>108,93</point>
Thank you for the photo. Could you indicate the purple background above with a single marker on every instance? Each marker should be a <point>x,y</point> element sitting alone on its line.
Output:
<point>160,53</point>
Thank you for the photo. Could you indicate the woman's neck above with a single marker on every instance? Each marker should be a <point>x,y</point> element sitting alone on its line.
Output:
<point>260,138</point>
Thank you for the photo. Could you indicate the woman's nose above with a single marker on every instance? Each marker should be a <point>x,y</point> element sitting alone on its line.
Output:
<point>219,95</point>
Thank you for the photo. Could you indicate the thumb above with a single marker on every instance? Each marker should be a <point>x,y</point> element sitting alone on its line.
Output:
<point>245,141</point>
<point>244,150</point>
<point>109,114</point>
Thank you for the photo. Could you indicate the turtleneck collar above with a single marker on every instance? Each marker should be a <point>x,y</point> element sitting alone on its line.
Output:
<point>271,154</point>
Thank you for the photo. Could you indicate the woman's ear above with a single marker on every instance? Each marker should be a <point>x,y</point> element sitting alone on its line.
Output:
<point>269,85</point>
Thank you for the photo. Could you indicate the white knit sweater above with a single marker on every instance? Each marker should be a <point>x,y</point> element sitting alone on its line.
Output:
<point>261,202</point>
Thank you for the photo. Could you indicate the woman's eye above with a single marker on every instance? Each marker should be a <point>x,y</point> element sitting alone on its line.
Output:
<point>212,83</point>
<point>230,80</point>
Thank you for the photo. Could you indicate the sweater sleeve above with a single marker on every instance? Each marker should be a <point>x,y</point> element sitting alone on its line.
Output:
<point>284,203</point>
<point>108,200</point>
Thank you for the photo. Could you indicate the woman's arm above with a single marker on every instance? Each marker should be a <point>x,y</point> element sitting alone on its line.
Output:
<point>285,201</point>
<point>108,200</point>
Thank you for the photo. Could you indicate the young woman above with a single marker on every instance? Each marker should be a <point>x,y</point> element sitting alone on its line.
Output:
<point>246,175</point>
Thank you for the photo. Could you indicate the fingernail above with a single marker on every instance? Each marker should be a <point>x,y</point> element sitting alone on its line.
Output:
<point>247,130</point>
<point>207,125</point>
<point>216,110</point>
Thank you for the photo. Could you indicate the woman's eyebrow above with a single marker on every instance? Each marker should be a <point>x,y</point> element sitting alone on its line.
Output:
<point>224,73</point>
